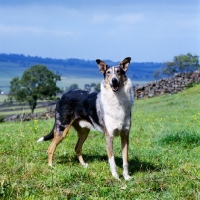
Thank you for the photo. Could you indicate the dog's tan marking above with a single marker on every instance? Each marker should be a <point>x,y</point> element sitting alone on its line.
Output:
<point>110,153</point>
<point>101,65</point>
<point>82,136</point>
<point>58,137</point>
<point>123,79</point>
<point>111,159</point>
<point>125,63</point>
<point>109,146</point>
<point>124,144</point>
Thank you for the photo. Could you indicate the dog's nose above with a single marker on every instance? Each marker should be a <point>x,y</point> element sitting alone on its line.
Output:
<point>114,81</point>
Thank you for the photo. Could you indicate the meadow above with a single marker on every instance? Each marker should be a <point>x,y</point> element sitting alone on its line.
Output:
<point>164,156</point>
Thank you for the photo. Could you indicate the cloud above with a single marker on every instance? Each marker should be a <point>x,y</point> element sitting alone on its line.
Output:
<point>37,31</point>
<point>127,18</point>
<point>128,27</point>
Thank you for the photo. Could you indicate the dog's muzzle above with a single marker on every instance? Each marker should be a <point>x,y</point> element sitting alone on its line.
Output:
<point>114,84</point>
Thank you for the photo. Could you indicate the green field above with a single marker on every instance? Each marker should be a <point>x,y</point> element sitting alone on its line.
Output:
<point>2,98</point>
<point>164,159</point>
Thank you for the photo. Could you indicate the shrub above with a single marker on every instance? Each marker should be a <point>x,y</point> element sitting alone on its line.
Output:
<point>1,119</point>
<point>193,81</point>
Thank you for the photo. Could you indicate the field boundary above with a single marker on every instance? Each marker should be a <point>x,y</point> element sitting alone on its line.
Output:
<point>49,113</point>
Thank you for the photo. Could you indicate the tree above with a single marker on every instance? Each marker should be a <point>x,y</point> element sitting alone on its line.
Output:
<point>73,86</point>
<point>97,88</point>
<point>90,87</point>
<point>181,63</point>
<point>186,63</point>
<point>169,68</point>
<point>156,74</point>
<point>36,83</point>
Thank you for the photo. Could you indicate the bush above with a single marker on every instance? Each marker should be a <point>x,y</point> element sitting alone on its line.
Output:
<point>1,119</point>
<point>194,80</point>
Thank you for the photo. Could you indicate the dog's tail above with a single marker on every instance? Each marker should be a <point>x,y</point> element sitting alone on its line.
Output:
<point>47,137</point>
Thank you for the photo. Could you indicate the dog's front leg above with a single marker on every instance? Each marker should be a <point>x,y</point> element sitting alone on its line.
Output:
<point>111,159</point>
<point>125,143</point>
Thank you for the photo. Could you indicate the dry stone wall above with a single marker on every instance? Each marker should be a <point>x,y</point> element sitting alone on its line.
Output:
<point>49,113</point>
<point>167,85</point>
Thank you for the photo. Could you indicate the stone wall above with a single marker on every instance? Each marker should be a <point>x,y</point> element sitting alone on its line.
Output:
<point>49,113</point>
<point>167,85</point>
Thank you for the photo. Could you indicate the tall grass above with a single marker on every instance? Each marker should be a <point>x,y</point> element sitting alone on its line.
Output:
<point>163,156</point>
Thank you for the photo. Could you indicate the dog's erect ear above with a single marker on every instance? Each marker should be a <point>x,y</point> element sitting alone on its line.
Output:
<point>102,65</point>
<point>125,63</point>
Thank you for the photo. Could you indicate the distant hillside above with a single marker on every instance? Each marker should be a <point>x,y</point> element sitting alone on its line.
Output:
<point>70,70</point>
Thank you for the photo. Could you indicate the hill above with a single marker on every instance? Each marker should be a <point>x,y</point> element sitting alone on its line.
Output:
<point>163,156</point>
<point>71,70</point>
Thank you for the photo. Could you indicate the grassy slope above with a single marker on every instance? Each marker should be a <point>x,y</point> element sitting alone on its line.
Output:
<point>164,157</point>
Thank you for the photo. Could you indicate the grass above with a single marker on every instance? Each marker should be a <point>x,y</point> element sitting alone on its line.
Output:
<point>163,156</point>
<point>2,98</point>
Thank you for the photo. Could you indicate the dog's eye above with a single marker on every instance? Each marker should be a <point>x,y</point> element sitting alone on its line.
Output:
<point>108,72</point>
<point>118,71</point>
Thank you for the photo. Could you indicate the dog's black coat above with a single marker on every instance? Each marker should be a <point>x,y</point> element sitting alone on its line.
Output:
<point>78,104</point>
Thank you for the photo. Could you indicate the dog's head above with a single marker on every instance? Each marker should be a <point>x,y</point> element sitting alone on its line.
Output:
<point>114,75</point>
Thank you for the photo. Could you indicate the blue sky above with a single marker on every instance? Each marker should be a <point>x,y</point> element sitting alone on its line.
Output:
<point>146,30</point>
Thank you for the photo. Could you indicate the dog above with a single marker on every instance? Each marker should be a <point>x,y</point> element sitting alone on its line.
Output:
<point>108,111</point>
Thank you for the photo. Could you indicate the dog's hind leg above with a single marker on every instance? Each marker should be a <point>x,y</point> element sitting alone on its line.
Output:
<point>125,143</point>
<point>58,137</point>
<point>82,136</point>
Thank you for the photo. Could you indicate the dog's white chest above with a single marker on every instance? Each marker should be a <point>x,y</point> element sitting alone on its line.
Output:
<point>117,119</point>
<point>117,110</point>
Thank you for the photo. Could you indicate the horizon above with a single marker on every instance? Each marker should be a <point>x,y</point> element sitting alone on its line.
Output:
<point>14,65</point>
<point>146,31</point>
<point>132,61</point>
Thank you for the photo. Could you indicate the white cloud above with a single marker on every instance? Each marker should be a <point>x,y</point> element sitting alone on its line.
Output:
<point>118,19</point>
<point>18,30</point>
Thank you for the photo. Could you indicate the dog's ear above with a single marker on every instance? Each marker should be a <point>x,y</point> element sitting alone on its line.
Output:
<point>125,63</point>
<point>102,65</point>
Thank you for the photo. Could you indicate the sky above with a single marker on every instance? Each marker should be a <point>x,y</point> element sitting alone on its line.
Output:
<point>147,31</point>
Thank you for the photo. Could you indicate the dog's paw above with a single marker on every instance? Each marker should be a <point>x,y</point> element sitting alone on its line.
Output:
<point>85,165</point>
<point>127,177</point>
<point>115,175</point>
<point>51,166</point>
